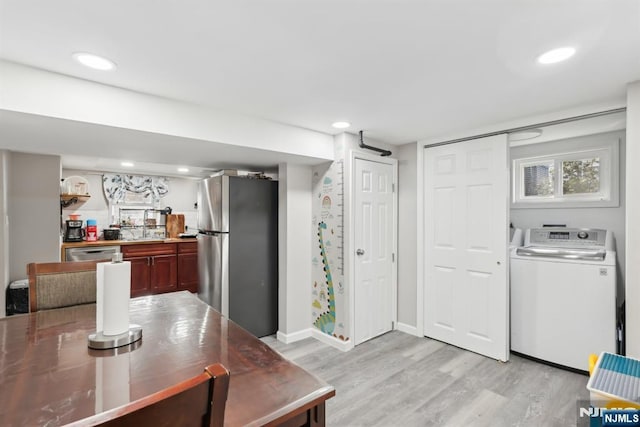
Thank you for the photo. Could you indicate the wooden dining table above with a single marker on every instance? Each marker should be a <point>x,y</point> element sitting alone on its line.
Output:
<point>49,376</point>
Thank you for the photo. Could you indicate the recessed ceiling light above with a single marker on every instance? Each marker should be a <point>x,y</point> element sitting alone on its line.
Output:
<point>341,125</point>
<point>525,134</point>
<point>183,169</point>
<point>556,55</point>
<point>127,164</point>
<point>94,61</point>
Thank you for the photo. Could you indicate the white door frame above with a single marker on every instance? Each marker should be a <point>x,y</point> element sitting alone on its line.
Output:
<point>420,238</point>
<point>349,232</point>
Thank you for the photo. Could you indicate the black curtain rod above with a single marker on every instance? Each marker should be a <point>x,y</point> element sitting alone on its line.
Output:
<point>383,153</point>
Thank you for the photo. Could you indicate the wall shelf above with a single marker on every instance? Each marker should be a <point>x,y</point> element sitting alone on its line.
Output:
<point>67,200</point>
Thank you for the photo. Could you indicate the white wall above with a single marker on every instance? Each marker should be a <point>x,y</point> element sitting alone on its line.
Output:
<point>334,180</point>
<point>633,221</point>
<point>4,233</point>
<point>181,198</point>
<point>29,90</point>
<point>608,218</point>
<point>407,239</point>
<point>294,252</point>
<point>328,208</point>
<point>33,202</point>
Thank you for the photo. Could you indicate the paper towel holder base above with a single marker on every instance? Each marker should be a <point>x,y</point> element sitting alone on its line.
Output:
<point>99,341</point>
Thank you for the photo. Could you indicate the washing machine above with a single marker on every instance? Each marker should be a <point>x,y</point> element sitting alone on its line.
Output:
<point>563,295</point>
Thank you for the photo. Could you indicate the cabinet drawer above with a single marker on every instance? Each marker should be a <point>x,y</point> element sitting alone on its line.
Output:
<point>148,250</point>
<point>188,248</point>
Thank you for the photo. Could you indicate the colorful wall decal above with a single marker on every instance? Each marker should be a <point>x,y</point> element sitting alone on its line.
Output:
<point>326,202</point>
<point>328,272</point>
<point>326,321</point>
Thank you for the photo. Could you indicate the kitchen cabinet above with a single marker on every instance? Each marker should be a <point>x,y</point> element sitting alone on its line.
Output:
<point>140,277</point>
<point>188,266</point>
<point>163,273</point>
<point>154,268</point>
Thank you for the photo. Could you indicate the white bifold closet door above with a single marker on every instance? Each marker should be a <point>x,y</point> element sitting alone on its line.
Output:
<point>466,286</point>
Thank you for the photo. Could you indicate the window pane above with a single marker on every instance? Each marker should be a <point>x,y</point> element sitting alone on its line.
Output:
<point>538,180</point>
<point>581,176</point>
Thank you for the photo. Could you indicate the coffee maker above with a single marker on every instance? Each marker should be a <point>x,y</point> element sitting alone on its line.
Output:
<point>73,231</point>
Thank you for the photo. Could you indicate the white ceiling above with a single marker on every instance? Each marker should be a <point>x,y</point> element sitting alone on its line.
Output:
<point>402,70</point>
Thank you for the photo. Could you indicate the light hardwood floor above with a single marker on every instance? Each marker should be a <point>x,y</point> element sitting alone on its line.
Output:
<point>402,380</point>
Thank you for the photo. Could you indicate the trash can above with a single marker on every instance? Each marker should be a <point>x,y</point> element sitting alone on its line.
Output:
<point>18,297</point>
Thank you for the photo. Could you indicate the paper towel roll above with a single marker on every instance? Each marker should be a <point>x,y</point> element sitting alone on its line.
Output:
<point>113,280</point>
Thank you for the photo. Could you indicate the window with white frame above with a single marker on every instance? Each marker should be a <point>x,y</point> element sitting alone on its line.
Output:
<point>584,176</point>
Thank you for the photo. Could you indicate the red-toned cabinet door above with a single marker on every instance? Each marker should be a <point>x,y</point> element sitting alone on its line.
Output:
<point>188,272</point>
<point>164,273</point>
<point>140,276</point>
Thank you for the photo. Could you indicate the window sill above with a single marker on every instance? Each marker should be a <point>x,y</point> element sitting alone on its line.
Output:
<point>566,204</point>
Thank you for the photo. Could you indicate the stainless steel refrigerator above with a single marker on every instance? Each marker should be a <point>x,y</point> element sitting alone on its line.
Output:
<point>238,250</point>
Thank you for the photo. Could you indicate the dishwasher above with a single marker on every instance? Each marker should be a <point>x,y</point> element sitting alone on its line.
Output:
<point>91,253</point>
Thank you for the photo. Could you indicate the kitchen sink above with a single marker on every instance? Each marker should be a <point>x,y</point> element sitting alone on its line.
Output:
<point>144,239</point>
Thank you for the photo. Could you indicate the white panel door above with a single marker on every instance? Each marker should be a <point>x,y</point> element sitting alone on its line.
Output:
<point>373,243</point>
<point>466,287</point>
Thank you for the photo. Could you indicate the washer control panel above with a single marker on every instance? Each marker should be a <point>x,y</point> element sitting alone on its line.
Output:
<point>567,237</point>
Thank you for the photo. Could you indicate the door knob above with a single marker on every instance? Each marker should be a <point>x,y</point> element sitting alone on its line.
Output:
<point>360,252</point>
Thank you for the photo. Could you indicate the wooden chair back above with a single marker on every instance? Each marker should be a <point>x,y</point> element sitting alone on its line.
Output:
<point>61,284</point>
<point>199,401</point>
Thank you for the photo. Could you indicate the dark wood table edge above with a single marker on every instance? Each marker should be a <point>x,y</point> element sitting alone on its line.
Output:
<point>306,410</point>
<point>309,410</point>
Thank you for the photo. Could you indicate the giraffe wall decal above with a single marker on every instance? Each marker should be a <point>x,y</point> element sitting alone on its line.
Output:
<point>326,322</point>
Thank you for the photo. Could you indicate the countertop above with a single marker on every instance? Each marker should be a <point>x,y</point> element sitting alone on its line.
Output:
<point>99,243</point>
<point>66,245</point>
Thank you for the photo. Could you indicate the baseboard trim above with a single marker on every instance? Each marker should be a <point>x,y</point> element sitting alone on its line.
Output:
<point>294,336</point>
<point>332,341</point>
<point>407,329</point>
